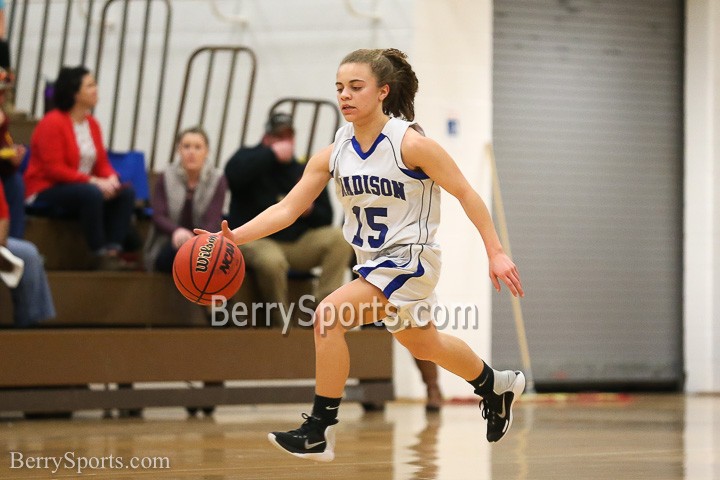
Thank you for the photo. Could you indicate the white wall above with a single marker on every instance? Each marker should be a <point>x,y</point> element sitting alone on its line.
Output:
<point>452,56</point>
<point>702,197</point>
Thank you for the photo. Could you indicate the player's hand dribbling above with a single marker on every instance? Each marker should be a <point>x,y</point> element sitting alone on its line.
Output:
<point>224,231</point>
<point>502,268</point>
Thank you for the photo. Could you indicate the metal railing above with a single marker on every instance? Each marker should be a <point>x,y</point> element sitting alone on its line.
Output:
<point>294,105</point>
<point>132,87</point>
<point>36,57</point>
<point>225,97</point>
<point>17,32</point>
<point>140,80</point>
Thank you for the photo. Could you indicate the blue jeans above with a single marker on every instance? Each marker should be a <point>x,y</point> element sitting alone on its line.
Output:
<point>32,299</point>
<point>165,259</point>
<point>105,223</point>
<point>15,195</point>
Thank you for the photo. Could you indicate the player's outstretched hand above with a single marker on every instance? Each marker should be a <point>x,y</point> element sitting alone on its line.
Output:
<point>503,269</point>
<point>224,231</point>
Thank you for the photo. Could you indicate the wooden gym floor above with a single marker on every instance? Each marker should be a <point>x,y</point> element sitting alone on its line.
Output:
<point>658,437</point>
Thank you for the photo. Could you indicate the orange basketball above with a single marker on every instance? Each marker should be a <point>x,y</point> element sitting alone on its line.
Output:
<point>208,265</point>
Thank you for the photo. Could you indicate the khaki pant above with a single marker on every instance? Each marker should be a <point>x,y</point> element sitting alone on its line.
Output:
<point>271,260</point>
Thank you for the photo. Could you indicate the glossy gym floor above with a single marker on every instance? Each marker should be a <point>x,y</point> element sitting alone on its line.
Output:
<point>591,436</point>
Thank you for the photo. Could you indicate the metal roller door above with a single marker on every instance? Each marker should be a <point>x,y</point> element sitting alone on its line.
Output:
<point>588,133</point>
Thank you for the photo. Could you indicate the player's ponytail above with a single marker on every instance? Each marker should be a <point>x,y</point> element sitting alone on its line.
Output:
<point>390,66</point>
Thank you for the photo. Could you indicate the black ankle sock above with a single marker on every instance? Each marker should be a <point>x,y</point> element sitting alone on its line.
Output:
<point>485,382</point>
<point>325,408</point>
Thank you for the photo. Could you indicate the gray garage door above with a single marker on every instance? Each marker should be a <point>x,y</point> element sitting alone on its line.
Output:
<point>588,139</point>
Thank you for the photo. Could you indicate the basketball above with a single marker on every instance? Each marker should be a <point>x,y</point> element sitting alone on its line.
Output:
<point>208,265</point>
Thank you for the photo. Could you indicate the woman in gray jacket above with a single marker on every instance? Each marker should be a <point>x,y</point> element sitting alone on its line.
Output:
<point>190,192</point>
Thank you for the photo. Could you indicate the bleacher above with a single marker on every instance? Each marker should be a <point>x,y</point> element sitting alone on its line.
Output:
<point>116,329</point>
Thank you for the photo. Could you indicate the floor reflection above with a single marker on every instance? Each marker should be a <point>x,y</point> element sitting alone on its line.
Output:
<point>658,437</point>
<point>425,449</point>
<point>701,439</point>
<point>589,436</point>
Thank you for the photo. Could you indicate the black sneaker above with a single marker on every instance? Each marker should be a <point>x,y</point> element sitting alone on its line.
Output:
<point>497,408</point>
<point>314,440</point>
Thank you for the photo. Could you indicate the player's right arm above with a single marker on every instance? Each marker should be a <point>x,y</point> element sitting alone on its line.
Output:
<point>421,152</point>
<point>285,212</point>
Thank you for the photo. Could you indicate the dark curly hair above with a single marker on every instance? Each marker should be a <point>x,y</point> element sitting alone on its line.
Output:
<point>67,85</point>
<point>390,67</point>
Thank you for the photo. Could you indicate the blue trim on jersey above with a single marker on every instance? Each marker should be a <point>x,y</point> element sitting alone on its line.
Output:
<point>358,148</point>
<point>418,175</point>
<point>400,280</point>
<point>365,271</point>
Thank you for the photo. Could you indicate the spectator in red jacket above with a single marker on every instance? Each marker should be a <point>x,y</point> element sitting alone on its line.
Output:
<point>69,172</point>
<point>11,156</point>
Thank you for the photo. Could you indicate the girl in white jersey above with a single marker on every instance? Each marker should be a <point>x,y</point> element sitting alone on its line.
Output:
<point>388,176</point>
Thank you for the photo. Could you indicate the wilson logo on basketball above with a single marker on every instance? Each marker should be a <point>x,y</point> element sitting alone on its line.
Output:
<point>204,254</point>
<point>208,267</point>
<point>228,258</point>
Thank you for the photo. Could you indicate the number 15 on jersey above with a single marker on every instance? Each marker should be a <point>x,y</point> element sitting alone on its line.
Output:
<point>379,230</point>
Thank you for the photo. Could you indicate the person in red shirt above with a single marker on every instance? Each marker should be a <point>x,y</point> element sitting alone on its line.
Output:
<point>11,156</point>
<point>69,172</point>
<point>32,299</point>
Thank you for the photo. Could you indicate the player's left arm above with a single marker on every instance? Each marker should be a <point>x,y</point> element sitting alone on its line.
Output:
<point>422,153</point>
<point>282,214</point>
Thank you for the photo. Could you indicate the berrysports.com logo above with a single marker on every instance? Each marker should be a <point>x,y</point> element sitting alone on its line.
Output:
<point>79,464</point>
<point>307,312</point>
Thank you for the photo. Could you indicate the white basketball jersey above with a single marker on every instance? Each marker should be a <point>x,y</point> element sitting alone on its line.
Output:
<point>386,204</point>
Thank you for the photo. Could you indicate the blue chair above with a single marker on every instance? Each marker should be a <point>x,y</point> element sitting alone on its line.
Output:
<point>130,167</point>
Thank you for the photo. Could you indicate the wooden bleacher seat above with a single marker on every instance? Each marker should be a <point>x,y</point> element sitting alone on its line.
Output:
<point>129,327</point>
<point>130,299</point>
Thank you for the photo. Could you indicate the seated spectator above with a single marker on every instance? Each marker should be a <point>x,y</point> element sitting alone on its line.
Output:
<point>259,177</point>
<point>190,192</point>
<point>11,156</point>
<point>32,300</point>
<point>69,172</point>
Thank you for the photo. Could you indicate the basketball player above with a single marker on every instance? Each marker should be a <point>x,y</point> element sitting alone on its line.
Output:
<point>388,177</point>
